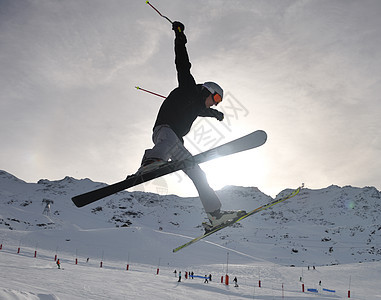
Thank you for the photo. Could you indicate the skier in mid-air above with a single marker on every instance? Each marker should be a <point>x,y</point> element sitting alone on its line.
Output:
<point>174,120</point>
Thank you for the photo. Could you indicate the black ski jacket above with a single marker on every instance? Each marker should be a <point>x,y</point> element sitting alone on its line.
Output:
<point>186,102</point>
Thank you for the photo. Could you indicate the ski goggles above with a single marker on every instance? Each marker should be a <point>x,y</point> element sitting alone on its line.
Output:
<point>216,98</point>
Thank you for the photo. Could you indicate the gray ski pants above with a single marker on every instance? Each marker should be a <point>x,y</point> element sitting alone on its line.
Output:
<point>168,146</point>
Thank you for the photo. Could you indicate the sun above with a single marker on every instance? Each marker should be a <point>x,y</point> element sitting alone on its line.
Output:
<point>241,169</point>
<point>248,168</point>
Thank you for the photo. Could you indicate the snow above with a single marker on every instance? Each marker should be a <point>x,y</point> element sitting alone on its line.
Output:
<point>26,277</point>
<point>140,230</point>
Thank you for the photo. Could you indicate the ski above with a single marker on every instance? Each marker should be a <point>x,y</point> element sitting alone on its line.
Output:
<point>250,141</point>
<point>254,211</point>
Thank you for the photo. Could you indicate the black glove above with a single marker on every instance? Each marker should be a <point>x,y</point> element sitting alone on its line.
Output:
<point>178,27</point>
<point>219,116</point>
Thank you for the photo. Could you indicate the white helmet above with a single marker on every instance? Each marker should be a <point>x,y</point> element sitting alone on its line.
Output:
<point>215,90</point>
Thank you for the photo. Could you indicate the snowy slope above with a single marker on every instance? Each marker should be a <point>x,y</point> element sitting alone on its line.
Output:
<point>25,277</point>
<point>327,226</point>
<point>331,226</point>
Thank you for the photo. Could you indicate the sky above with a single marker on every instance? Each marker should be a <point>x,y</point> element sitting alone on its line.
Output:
<point>307,72</point>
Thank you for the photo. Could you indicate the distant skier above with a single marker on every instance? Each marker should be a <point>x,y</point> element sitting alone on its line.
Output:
<point>206,279</point>
<point>174,120</point>
<point>235,280</point>
<point>179,277</point>
<point>58,264</point>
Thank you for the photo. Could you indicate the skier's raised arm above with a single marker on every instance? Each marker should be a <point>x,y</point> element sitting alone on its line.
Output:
<point>182,62</point>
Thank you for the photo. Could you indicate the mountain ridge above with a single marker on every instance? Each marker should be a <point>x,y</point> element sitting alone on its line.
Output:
<point>332,225</point>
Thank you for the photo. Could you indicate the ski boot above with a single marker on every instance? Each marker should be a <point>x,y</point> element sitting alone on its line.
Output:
<point>220,218</point>
<point>148,165</point>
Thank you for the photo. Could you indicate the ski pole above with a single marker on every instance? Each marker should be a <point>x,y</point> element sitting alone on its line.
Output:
<point>161,14</point>
<point>147,91</point>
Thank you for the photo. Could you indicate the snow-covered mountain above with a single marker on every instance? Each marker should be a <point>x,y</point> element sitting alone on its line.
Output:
<point>334,225</point>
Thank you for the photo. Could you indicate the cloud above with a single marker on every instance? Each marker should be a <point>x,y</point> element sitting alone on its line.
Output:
<point>308,73</point>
